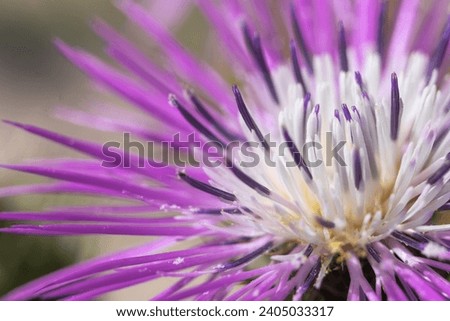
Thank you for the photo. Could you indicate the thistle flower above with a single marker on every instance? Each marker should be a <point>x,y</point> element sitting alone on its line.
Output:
<point>366,74</point>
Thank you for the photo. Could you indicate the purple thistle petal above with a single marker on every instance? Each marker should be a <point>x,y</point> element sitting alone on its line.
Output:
<point>215,15</point>
<point>95,150</point>
<point>85,216</point>
<point>223,281</point>
<point>127,189</point>
<point>107,229</point>
<point>128,55</point>
<point>198,73</point>
<point>420,286</point>
<point>121,84</point>
<point>357,278</point>
<point>325,27</point>
<point>403,30</point>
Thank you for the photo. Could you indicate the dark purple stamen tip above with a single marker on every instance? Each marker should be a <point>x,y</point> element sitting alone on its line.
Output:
<point>296,67</point>
<point>373,253</point>
<point>439,53</point>
<point>248,119</point>
<point>357,169</point>
<point>301,41</point>
<point>381,26</point>
<point>206,187</point>
<point>360,83</point>
<point>409,241</point>
<point>346,112</point>
<point>395,107</point>
<point>421,237</point>
<point>356,111</point>
<point>310,278</point>
<point>306,101</point>
<point>298,159</point>
<point>325,223</point>
<point>439,174</point>
<point>337,115</point>
<point>317,109</point>
<point>247,258</point>
<point>445,207</point>
<point>194,122</point>
<point>254,46</point>
<point>308,250</point>
<point>358,79</point>
<point>342,43</point>
<point>208,117</point>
